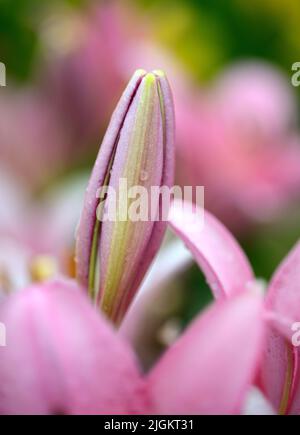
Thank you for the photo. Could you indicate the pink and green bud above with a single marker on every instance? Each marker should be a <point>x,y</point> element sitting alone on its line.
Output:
<point>113,255</point>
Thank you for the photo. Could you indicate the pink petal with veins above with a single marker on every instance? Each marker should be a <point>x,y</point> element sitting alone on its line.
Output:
<point>280,368</point>
<point>63,358</point>
<point>210,368</point>
<point>216,251</point>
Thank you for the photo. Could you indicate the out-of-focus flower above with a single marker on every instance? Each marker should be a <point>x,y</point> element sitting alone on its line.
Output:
<point>47,127</point>
<point>239,140</point>
<point>83,84</point>
<point>62,357</point>
<point>113,255</point>
<point>37,238</point>
<point>32,142</point>
<point>255,100</point>
<point>63,113</point>
<point>54,359</point>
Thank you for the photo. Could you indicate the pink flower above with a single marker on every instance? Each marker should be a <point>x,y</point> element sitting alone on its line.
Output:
<point>37,237</point>
<point>47,368</point>
<point>239,140</point>
<point>60,117</point>
<point>228,271</point>
<point>82,85</point>
<point>62,357</point>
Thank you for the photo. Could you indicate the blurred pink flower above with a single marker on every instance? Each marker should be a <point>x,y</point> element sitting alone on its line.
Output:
<point>32,142</point>
<point>255,99</point>
<point>33,231</point>
<point>84,84</point>
<point>56,121</point>
<point>239,140</point>
<point>62,357</point>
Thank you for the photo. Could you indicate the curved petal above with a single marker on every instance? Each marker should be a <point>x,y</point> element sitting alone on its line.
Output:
<point>283,297</point>
<point>210,368</point>
<point>295,398</point>
<point>277,375</point>
<point>61,357</point>
<point>280,368</point>
<point>217,253</point>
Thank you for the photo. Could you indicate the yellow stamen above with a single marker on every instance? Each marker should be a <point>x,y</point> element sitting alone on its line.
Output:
<point>42,268</point>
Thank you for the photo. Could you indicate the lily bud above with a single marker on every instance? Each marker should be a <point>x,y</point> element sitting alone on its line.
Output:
<point>113,255</point>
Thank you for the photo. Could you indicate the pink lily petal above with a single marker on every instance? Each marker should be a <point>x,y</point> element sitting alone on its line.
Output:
<point>267,106</point>
<point>210,368</point>
<point>217,253</point>
<point>283,297</point>
<point>61,357</point>
<point>280,369</point>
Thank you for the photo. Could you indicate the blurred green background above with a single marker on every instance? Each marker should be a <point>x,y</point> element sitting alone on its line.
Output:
<point>205,35</point>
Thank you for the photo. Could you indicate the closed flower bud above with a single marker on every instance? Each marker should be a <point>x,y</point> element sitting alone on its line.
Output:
<point>116,242</point>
